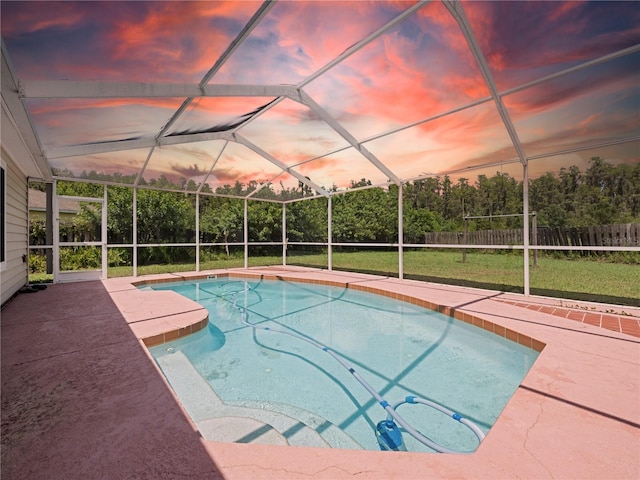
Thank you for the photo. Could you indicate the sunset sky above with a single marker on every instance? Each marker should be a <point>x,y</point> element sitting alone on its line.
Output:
<point>419,74</point>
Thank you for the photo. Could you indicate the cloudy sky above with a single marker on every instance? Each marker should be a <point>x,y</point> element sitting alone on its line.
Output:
<point>414,97</point>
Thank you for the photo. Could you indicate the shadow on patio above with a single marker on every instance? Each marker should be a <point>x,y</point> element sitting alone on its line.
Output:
<point>81,398</point>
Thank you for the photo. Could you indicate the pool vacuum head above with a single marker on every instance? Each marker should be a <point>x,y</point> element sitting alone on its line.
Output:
<point>389,436</point>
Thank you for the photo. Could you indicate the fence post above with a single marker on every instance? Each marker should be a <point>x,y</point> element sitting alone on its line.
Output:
<point>465,237</point>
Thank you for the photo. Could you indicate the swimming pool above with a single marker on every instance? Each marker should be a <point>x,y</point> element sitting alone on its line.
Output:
<point>308,398</point>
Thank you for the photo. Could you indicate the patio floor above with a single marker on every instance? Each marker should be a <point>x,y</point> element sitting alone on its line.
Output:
<point>82,398</point>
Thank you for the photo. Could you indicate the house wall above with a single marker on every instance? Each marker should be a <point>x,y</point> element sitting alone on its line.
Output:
<point>15,273</point>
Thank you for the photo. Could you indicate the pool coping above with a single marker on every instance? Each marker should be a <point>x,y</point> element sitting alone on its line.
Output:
<point>579,399</point>
<point>173,334</point>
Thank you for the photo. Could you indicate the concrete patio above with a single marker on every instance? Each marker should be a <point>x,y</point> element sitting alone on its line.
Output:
<point>82,398</point>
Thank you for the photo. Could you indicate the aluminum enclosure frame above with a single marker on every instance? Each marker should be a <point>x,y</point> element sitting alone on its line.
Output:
<point>17,93</point>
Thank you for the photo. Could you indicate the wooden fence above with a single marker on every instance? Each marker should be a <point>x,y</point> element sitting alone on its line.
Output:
<point>622,235</point>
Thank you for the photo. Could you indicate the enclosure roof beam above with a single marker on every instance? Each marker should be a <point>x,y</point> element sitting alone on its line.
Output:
<point>194,137</point>
<point>19,116</point>
<point>233,46</point>
<point>575,68</point>
<point>90,89</point>
<point>253,22</point>
<point>243,141</point>
<point>94,148</point>
<point>305,99</point>
<point>365,41</point>
<point>213,165</point>
<point>120,145</point>
<point>456,9</point>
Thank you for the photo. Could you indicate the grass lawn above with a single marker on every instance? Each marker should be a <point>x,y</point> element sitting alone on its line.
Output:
<point>581,279</point>
<point>578,279</point>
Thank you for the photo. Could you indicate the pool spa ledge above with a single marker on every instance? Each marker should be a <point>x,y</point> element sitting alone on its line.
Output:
<point>575,415</point>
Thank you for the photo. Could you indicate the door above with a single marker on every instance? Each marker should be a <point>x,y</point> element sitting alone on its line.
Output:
<point>79,234</point>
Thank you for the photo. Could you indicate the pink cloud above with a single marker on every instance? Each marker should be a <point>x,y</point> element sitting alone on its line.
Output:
<point>148,41</point>
<point>336,35</point>
<point>173,35</point>
<point>319,165</point>
<point>467,137</point>
<point>298,38</point>
<point>230,175</point>
<point>228,105</point>
<point>420,69</point>
<point>340,168</point>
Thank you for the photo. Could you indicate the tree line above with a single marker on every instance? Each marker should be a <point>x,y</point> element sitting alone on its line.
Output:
<point>603,194</point>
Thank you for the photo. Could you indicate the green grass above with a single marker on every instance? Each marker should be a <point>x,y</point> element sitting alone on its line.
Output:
<point>577,279</point>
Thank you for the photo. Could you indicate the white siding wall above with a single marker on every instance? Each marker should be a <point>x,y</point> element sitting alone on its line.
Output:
<point>15,273</point>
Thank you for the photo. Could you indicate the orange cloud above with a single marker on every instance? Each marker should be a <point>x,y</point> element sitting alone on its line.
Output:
<point>340,168</point>
<point>472,136</point>
<point>178,36</point>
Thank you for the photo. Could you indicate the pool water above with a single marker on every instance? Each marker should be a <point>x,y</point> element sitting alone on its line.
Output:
<point>398,348</point>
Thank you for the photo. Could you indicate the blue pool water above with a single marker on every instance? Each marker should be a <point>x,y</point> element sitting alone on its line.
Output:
<point>398,348</point>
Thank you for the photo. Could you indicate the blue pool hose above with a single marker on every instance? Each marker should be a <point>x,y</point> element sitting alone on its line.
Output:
<point>392,415</point>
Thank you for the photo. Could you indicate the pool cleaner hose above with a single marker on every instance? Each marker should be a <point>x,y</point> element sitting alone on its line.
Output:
<point>389,436</point>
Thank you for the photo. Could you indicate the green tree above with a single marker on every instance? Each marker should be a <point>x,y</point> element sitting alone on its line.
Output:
<point>463,201</point>
<point>265,221</point>
<point>498,195</point>
<point>365,215</point>
<point>307,221</point>
<point>545,198</point>
<point>417,222</point>
<point>221,220</point>
<point>165,217</point>
<point>119,214</point>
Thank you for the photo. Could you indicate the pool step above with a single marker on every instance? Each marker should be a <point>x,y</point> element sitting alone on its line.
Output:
<point>333,435</point>
<point>240,430</point>
<point>249,422</point>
